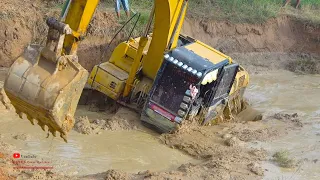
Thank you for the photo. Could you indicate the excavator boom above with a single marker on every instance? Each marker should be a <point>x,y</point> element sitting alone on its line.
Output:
<point>46,82</point>
<point>169,77</point>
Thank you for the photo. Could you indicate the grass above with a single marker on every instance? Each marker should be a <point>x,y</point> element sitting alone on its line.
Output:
<point>253,11</point>
<point>137,6</point>
<point>238,11</point>
<point>283,160</point>
<point>249,11</point>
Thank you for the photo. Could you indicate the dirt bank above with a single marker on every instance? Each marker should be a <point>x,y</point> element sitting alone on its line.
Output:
<point>266,62</point>
<point>282,34</point>
<point>24,23</point>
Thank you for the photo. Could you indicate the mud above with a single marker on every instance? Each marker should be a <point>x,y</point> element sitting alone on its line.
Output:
<point>221,161</point>
<point>123,119</point>
<point>291,118</point>
<point>84,126</point>
<point>230,150</point>
<point>129,150</point>
<point>22,137</point>
<point>115,146</point>
<point>42,175</point>
<point>244,150</point>
<point>289,99</point>
<point>222,153</point>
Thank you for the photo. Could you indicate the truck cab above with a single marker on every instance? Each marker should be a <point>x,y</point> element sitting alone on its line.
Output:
<point>192,78</point>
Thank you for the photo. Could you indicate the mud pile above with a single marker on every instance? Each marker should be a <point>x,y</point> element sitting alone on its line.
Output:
<point>225,155</point>
<point>249,133</point>
<point>123,119</point>
<point>84,126</point>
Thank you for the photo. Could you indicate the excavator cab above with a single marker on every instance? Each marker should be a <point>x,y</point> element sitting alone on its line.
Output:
<point>46,82</point>
<point>188,84</point>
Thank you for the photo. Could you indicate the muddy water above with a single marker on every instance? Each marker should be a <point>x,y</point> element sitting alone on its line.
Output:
<point>131,151</point>
<point>288,92</point>
<point>134,151</point>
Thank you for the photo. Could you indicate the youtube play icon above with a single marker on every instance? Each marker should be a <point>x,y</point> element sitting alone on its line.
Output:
<point>16,155</point>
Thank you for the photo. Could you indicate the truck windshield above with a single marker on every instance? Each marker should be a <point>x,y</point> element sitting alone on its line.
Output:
<point>172,86</point>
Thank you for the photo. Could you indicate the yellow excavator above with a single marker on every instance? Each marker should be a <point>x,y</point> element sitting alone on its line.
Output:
<point>167,76</point>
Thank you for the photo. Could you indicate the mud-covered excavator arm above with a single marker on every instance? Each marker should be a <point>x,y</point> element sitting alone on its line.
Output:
<point>45,83</point>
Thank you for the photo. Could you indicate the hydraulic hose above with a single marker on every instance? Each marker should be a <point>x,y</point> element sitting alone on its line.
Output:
<point>65,10</point>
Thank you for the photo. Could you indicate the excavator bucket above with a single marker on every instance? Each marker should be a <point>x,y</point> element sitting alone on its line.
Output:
<point>46,82</point>
<point>46,88</point>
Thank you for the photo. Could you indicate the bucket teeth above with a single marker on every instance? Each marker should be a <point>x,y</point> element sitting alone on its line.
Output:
<point>30,119</point>
<point>53,132</point>
<point>43,126</point>
<point>20,114</point>
<point>64,137</point>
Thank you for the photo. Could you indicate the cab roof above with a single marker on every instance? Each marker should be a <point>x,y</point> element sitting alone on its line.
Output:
<point>198,57</point>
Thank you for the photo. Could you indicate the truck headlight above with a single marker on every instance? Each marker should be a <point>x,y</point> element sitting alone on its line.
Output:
<point>181,113</point>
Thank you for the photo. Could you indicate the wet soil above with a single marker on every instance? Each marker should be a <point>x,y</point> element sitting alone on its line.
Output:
<point>231,150</point>
<point>131,151</point>
<point>280,55</point>
<point>291,99</point>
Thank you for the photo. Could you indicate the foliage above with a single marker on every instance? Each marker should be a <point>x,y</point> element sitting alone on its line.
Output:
<point>282,158</point>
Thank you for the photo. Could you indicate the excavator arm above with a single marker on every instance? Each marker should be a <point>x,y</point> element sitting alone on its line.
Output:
<point>168,20</point>
<point>45,83</point>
